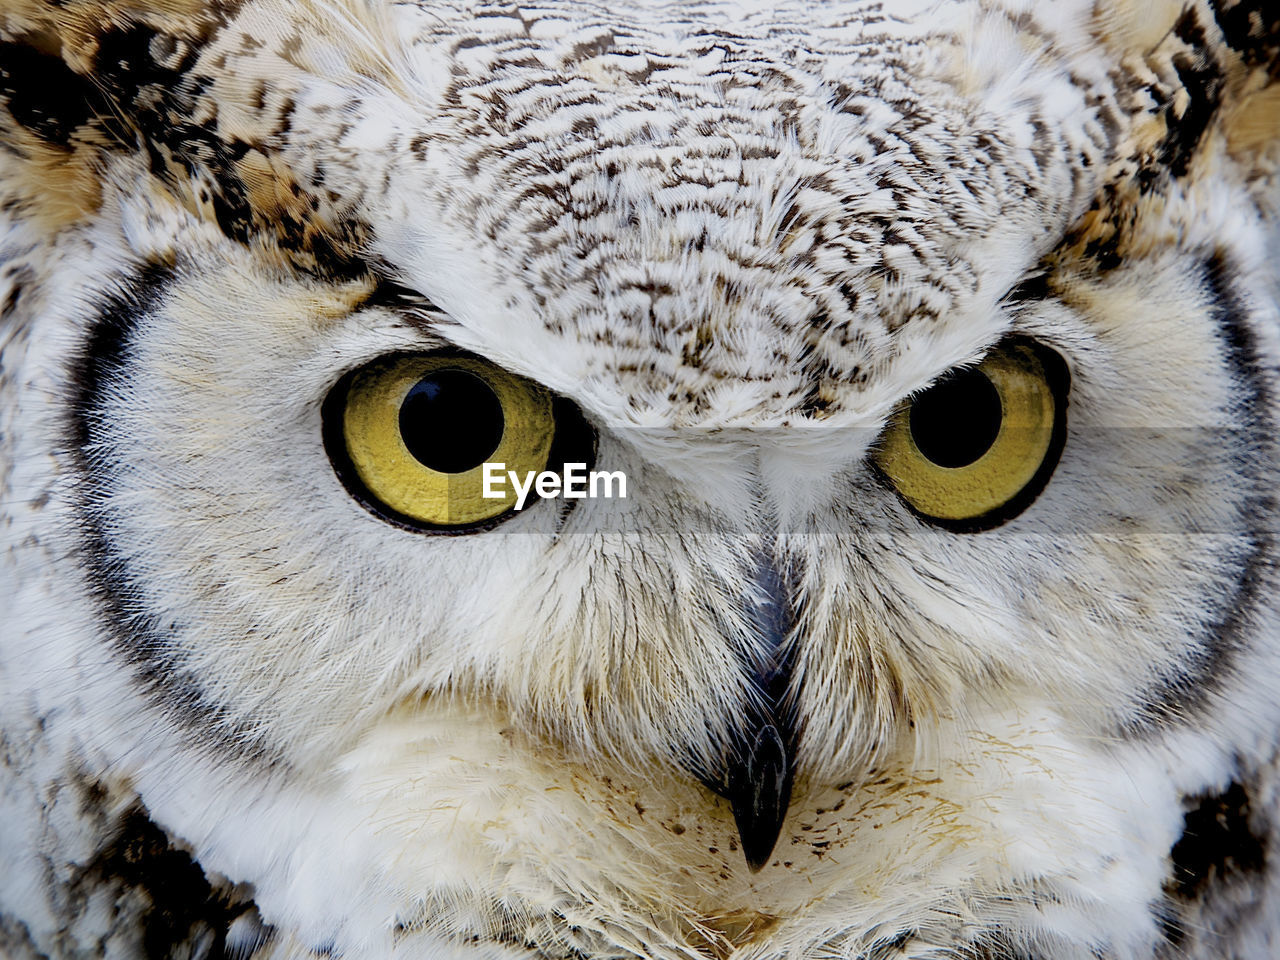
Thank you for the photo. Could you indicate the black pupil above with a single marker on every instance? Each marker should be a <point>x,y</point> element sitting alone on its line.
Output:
<point>955,421</point>
<point>451,421</point>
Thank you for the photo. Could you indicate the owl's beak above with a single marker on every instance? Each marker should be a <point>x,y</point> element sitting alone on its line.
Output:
<point>759,791</point>
<point>759,774</point>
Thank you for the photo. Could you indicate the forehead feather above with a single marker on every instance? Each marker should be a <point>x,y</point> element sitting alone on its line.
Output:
<point>687,205</point>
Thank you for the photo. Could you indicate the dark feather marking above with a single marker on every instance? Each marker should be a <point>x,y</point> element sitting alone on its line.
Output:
<point>818,371</point>
<point>157,100</point>
<point>141,96</point>
<point>181,906</point>
<point>136,633</point>
<point>1251,28</point>
<point>1031,290</point>
<point>1222,845</point>
<point>1218,843</point>
<point>1177,698</point>
<point>44,95</point>
<point>1202,80</point>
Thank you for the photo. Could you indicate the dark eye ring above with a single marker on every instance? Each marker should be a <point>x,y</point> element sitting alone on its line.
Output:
<point>977,447</point>
<point>409,433</point>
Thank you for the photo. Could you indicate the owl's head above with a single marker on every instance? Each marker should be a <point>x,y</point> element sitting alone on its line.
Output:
<point>935,348</point>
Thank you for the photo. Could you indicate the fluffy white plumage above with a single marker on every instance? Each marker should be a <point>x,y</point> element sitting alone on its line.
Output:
<point>241,713</point>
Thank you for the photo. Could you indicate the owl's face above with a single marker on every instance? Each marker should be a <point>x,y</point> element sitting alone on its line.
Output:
<point>934,344</point>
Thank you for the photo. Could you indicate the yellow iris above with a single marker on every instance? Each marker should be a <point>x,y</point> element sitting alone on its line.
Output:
<point>977,446</point>
<point>418,428</point>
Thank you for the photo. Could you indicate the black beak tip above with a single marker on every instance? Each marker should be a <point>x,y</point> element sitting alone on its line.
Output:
<point>757,849</point>
<point>760,796</point>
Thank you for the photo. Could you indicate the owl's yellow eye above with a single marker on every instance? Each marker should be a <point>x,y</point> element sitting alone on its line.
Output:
<point>409,435</point>
<point>977,447</point>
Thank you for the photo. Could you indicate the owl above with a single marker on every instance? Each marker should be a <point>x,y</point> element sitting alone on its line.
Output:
<point>694,480</point>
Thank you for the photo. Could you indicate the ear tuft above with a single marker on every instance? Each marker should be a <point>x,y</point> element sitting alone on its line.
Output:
<point>75,80</point>
<point>1250,30</point>
<point>177,91</point>
<point>1198,86</point>
<point>1201,76</point>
